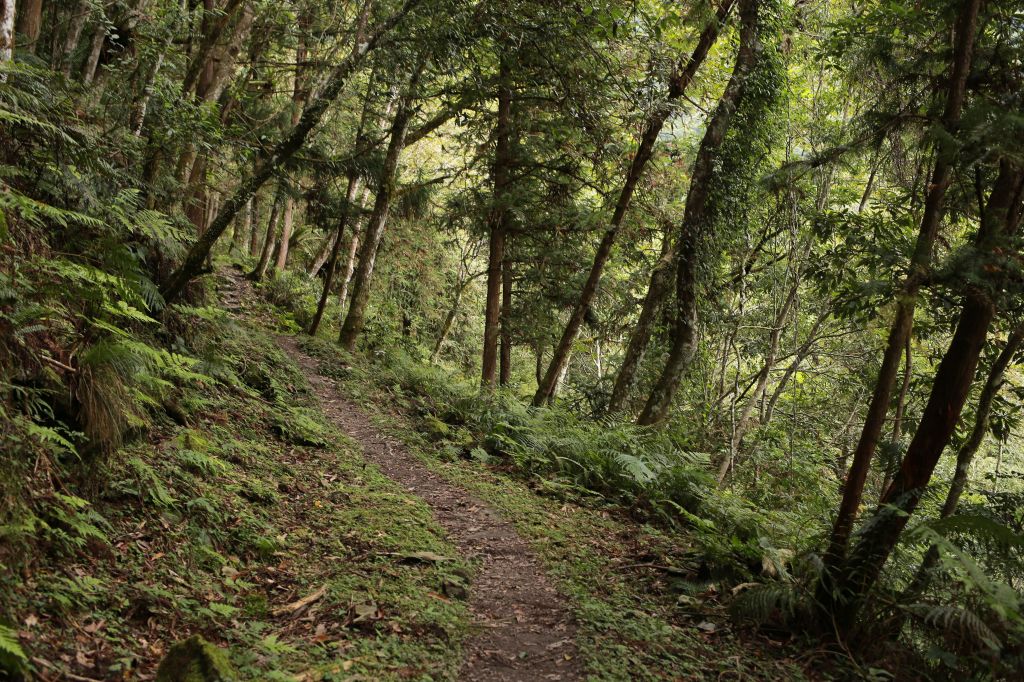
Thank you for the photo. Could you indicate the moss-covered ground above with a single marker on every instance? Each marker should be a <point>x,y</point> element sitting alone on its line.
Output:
<point>250,521</point>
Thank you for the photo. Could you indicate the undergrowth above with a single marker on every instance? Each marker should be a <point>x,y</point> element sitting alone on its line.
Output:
<point>236,501</point>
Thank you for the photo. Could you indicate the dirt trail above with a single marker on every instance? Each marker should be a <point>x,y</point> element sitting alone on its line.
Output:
<point>522,629</point>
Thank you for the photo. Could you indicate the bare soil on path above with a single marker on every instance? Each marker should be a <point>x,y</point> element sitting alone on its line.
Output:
<point>522,629</point>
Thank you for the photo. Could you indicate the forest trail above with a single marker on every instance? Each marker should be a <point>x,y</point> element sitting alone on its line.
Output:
<point>522,627</point>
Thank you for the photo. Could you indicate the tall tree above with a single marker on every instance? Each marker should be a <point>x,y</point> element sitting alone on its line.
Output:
<point>698,218</point>
<point>678,83</point>
<point>268,162</point>
<point>963,37</point>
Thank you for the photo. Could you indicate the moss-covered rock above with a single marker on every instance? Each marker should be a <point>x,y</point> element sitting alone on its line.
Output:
<point>195,660</point>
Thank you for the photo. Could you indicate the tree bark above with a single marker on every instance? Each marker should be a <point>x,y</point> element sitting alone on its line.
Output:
<point>99,36</point>
<point>505,357</point>
<point>497,225</point>
<point>269,162</point>
<point>356,317</point>
<point>268,241</point>
<point>213,27</point>
<point>321,256</point>
<point>254,232</point>
<point>74,33</point>
<point>332,261</point>
<point>30,21</point>
<point>963,47</point>
<point>678,84</point>
<point>7,11</point>
<point>969,448</point>
<point>299,95</point>
<point>949,392</point>
<point>657,291</point>
<point>901,407</point>
<point>694,228</point>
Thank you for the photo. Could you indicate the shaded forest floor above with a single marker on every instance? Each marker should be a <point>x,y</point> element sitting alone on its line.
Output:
<point>280,524</point>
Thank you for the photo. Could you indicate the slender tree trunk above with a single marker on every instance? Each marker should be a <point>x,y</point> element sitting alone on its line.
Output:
<point>67,50</point>
<point>332,261</point>
<point>969,448</point>
<point>652,128</point>
<point>505,359</point>
<point>356,317</point>
<point>950,389</point>
<point>853,490</point>
<point>99,35</point>
<point>254,232</point>
<point>746,418</point>
<point>268,241</point>
<point>801,355</point>
<point>693,228</point>
<point>901,407</point>
<point>202,62</point>
<point>498,225</point>
<point>657,291</point>
<point>269,162</point>
<point>321,256</point>
<point>449,319</point>
<point>30,21</point>
<point>7,12</point>
<point>350,263</point>
<point>242,227</point>
<point>299,95</point>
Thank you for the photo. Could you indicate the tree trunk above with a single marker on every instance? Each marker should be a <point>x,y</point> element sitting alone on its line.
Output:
<point>202,62</point>
<point>78,18</point>
<point>950,388</point>
<point>745,420</point>
<point>321,256</point>
<point>99,35</point>
<point>242,227</point>
<point>30,21</point>
<point>963,47</point>
<point>657,291</point>
<point>269,162</point>
<point>332,261</point>
<point>356,317</point>
<point>449,319</point>
<point>254,232</point>
<point>693,228</point>
<point>801,355</point>
<point>353,251</point>
<point>505,359</point>
<point>678,84</point>
<point>497,225</point>
<point>7,11</point>
<point>299,94</point>
<point>901,408</point>
<point>268,241</point>
<point>969,448</point>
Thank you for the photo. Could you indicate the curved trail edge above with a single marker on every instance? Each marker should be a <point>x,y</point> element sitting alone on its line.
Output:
<point>522,628</point>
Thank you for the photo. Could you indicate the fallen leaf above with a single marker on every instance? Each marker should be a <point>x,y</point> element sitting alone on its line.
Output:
<point>425,557</point>
<point>365,611</point>
<point>299,605</point>
<point>93,628</point>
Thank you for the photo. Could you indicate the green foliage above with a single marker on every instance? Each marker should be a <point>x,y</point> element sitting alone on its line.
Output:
<point>13,660</point>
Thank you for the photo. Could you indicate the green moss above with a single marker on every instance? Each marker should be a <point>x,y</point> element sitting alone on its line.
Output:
<point>195,660</point>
